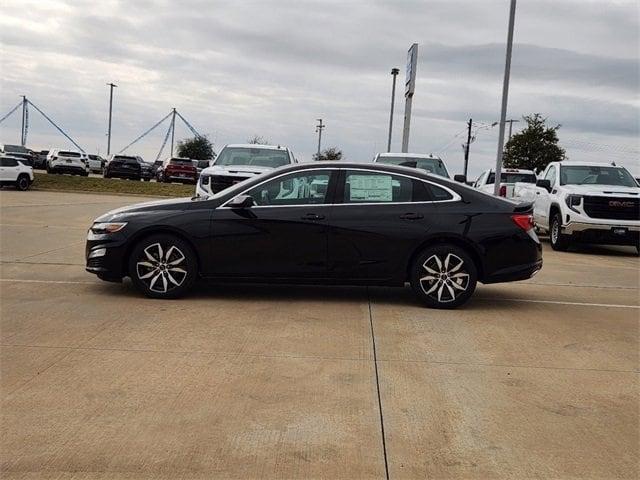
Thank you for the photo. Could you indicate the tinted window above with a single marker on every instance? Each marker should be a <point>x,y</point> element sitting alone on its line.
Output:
<point>376,187</point>
<point>512,178</point>
<point>181,161</point>
<point>293,189</point>
<point>595,175</point>
<point>439,194</point>
<point>430,165</point>
<point>8,162</point>
<point>262,157</point>
<point>69,154</point>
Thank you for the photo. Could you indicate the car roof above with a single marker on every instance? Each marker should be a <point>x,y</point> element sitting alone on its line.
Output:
<point>256,145</point>
<point>513,170</point>
<point>579,163</point>
<point>408,155</point>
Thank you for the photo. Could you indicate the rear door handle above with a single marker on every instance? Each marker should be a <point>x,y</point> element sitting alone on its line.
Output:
<point>411,216</point>
<point>312,216</point>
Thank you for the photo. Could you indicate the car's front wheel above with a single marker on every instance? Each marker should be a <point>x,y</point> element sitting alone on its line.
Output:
<point>163,266</point>
<point>559,241</point>
<point>444,276</point>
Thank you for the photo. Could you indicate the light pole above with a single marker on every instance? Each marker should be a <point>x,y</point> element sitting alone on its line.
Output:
<point>394,73</point>
<point>505,96</point>
<point>173,129</point>
<point>319,128</point>
<point>111,87</point>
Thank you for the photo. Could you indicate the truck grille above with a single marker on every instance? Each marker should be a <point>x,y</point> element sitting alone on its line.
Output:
<point>220,182</point>
<point>614,208</point>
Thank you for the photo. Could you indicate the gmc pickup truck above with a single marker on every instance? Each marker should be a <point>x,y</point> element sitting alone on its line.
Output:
<point>585,202</point>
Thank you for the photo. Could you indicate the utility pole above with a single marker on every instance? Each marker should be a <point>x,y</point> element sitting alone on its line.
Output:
<point>23,138</point>
<point>510,122</point>
<point>319,128</point>
<point>505,96</point>
<point>466,150</point>
<point>394,73</point>
<point>111,87</point>
<point>173,129</point>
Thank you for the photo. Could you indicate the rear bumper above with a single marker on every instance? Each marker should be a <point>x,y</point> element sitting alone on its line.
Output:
<point>70,168</point>
<point>513,274</point>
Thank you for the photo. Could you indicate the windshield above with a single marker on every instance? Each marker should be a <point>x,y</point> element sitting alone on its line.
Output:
<point>512,178</point>
<point>431,165</point>
<point>260,157</point>
<point>594,175</point>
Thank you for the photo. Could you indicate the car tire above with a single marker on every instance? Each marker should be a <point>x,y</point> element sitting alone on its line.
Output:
<point>163,266</point>
<point>559,241</point>
<point>443,276</point>
<point>23,183</point>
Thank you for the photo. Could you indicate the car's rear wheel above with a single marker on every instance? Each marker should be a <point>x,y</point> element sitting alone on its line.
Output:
<point>163,266</point>
<point>22,183</point>
<point>444,276</point>
<point>559,241</point>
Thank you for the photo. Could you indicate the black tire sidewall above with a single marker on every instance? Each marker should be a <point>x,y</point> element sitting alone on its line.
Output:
<point>561,242</point>
<point>443,250</point>
<point>166,240</point>
<point>22,183</point>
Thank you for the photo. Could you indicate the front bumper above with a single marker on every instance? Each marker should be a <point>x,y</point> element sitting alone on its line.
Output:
<point>110,265</point>
<point>604,234</point>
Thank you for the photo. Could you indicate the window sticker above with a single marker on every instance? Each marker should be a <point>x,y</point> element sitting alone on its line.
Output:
<point>370,188</point>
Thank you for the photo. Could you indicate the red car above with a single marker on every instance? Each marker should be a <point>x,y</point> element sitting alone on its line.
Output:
<point>178,170</point>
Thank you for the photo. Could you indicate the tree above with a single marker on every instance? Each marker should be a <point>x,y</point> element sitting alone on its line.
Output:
<point>258,140</point>
<point>331,153</point>
<point>534,147</point>
<point>196,148</point>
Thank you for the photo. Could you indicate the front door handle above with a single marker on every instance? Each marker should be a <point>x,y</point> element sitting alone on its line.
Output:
<point>411,216</point>
<point>312,216</point>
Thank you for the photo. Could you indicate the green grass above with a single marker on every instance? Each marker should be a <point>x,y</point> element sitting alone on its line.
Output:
<point>72,183</point>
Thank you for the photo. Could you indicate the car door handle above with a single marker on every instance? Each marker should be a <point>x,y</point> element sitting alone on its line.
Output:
<point>411,216</point>
<point>312,216</point>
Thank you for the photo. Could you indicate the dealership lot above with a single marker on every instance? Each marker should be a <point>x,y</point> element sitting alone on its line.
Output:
<point>538,378</point>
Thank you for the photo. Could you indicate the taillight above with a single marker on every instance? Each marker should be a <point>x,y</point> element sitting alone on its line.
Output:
<point>503,191</point>
<point>523,220</point>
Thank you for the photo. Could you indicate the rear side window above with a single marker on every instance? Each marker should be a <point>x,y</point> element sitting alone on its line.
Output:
<point>439,194</point>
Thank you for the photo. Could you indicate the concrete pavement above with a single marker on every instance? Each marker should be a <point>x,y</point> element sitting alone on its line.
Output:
<point>531,379</point>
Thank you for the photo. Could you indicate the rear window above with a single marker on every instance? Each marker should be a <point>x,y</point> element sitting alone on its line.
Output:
<point>69,154</point>
<point>125,158</point>
<point>181,161</point>
<point>512,178</point>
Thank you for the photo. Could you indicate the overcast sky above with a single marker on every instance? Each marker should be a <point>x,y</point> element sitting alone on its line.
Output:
<point>239,68</point>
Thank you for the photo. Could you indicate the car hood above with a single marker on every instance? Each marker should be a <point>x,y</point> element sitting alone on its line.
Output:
<point>246,170</point>
<point>601,189</point>
<point>158,205</point>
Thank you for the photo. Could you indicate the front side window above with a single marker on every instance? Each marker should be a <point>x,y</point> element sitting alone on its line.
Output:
<point>595,175</point>
<point>300,188</point>
<point>551,175</point>
<point>377,187</point>
<point>260,157</point>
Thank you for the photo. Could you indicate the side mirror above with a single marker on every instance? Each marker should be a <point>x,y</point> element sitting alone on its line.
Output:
<point>241,201</point>
<point>546,184</point>
<point>460,178</point>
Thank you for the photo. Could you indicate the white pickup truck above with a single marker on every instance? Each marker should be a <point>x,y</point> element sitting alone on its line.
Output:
<point>587,202</point>
<point>508,179</point>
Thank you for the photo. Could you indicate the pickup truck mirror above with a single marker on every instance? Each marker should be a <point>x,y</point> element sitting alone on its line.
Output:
<point>460,178</point>
<point>241,202</point>
<point>543,183</point>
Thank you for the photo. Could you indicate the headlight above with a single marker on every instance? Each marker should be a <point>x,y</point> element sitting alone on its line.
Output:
<point>573,201</point>
<point>101,228</point>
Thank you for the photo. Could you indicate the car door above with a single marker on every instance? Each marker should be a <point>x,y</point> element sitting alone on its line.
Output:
<point>542,203</point>
<point>283,235</point>
<point>8,169</point>
<point>377,219</point>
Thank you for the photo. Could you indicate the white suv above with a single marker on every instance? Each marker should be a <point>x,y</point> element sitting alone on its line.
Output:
<point>238,162</point>
<point>508,179</point>
<point>67,161</point>
<point>428,163</point>
<point>583,201</point>
<point>14,172</point>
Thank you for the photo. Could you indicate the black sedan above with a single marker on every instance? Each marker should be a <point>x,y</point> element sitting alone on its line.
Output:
<point>323,223</point>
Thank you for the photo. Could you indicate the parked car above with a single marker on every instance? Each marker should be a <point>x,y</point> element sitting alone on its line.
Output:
<point>585,202</point>
<point>155,166</point>
<point>238,162</point>
<point>508,178</point>
<point>321,223</point>
<point>67,161</point>
<point>178,170</point>
<point>26,158</point>
<point>96,163</point>
<point>123,166</point>
<point>14,172</point>
<point>428,163</point>
<point>146,170</point>
<point>40,161</point>
<point>201,165</point>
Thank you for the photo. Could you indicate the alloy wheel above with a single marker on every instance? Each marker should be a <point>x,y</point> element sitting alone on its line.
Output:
<point>555,231</point>
<point>445,280</point>
<point>161,268</point>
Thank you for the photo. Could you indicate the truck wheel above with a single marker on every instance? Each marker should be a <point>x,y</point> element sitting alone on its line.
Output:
<point>559,241</point>
<point>22,183</point>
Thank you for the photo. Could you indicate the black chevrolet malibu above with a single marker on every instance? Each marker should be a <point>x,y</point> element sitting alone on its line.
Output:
<point>323,223</point>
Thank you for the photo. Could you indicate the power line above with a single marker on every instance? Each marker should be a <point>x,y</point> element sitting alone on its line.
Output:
<point>147,132</point>
<point>12,110</point>
<point>56,126</point>
<point>193,130</point>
